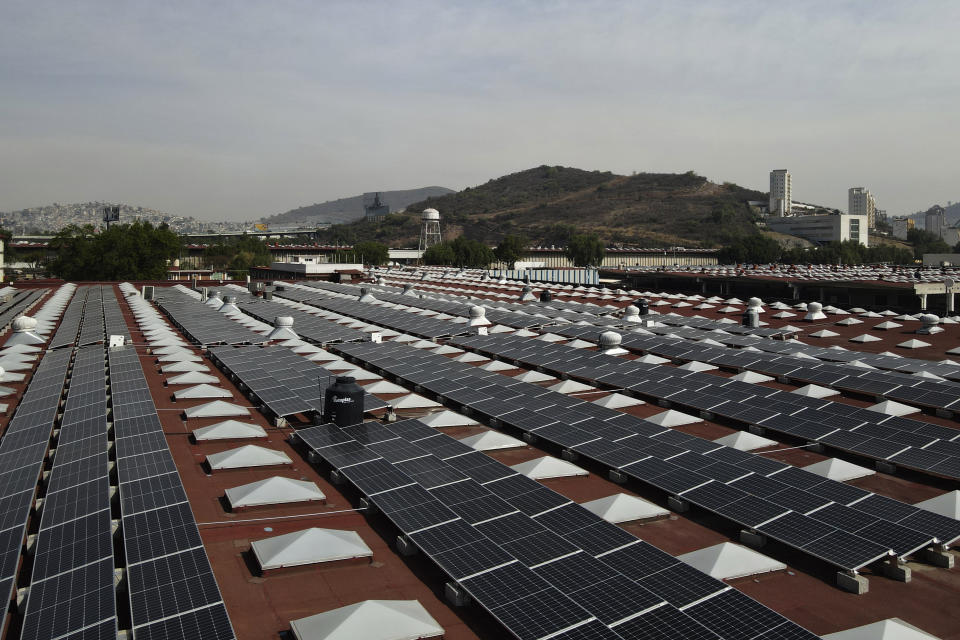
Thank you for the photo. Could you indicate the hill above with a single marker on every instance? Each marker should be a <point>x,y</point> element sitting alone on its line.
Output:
<point>546,204</point>
<point>347,209</point>
<point>56,216</point>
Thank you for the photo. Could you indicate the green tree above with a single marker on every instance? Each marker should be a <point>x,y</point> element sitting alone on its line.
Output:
<point>440,254</point>
<point>371,252</point>
<point>511,249</point>
<point>461,252</point>
<point>585,250</point>
<point>137,251</point>
<point>470,254</point>
<point>238,254</point>
<point>926,242</point>
<point>755,248</point>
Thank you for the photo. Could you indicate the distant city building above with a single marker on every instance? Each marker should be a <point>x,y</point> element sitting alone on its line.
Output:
<point>823,229</point>
<point>902,226</point>
<point>860,202</point>
<point>781,198</point>
<point>376,211</point>
<point>934,221</point>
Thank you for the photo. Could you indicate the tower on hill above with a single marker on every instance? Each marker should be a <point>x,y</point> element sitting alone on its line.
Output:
<point>430,229</point>
<point>376,211</point>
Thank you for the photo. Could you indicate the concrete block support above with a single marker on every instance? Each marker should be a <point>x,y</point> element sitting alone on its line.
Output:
<point>405,547</point>
<point>937,557</point>
<point>678,504</point>
<point>617,476</point>
<point>896,570</point>
<point>752,538</point>
<point>886,467</point>
<point>853,582</point>
<point>455,595</point>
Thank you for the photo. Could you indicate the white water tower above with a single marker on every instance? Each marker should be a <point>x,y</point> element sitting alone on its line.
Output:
<point>430,229</point>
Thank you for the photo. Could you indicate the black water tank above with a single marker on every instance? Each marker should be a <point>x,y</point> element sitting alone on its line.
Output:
<point>750,319</point>
<point>644,306</point>
<point>343,404</point>
<point>545,296</point>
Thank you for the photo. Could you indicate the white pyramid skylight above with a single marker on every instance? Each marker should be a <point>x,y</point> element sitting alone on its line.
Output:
<point>275,490</point>
<point>447,419</point>
<point>745,441</point>
<point>623,507</point>
<point>727,560</point>
<point>309,546</point>
<point>839,470</point>
<point>249,455</point>
<point>216,409</point>
<point>548,467</point>
<point>370,620</point>
<point>672,418</point>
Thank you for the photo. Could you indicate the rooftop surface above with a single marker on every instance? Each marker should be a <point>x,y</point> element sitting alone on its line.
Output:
<point>263,604</point>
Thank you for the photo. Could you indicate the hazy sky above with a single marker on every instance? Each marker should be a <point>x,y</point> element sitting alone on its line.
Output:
<point>236,109</point>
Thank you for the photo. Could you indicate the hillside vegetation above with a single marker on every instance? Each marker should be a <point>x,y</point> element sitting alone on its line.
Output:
<point>347,209</point>
<point>547,204</point>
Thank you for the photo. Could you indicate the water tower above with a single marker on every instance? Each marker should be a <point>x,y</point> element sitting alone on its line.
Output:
<point>430,229</point>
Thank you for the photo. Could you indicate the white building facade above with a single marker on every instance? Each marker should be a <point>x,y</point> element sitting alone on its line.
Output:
<point>823,229</point>
<point>781,197</point>
<point>860,202</point>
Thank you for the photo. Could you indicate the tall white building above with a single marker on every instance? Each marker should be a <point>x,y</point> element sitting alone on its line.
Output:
<point>781,200</point>
<point>860,202</point>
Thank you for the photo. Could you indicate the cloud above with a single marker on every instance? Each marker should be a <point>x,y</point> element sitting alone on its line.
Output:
<point>237,110</point>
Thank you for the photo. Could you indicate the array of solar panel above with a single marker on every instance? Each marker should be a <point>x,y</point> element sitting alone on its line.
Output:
<point>113,320</point>
<point>66,333</point>
<point>309,327</point>
<point>203,324</point>
<point>738,486</point>
<point>887,362</point>
<point>172,589</point>
<point>781,359</point>
<point>391,318</point>
<point>456,308</point>
<point>72,585</point>
<point>515,546</point>
<point>285,382</point>
<point>91,322</point>
<point>909,443</point>
<point>909,447</point>
<point>22,451</point>
<point>729,398</point>
<point>19,302</point>
<point>546,531</point>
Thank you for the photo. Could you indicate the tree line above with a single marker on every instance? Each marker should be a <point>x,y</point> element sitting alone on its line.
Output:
<point>763,249</point>
<point>582,250</point>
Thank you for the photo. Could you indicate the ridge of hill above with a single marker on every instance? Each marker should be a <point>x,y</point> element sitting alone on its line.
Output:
<point>352,208</point>
<point>547,204</point>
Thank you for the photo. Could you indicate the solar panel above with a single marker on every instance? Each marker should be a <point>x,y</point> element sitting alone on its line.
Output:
<point>172,590</point>
<point>693,483</point>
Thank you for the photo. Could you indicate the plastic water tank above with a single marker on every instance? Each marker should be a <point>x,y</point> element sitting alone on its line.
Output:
<point>343,404</point>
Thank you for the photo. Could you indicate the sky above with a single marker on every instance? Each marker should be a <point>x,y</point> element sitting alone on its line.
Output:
<point>232,110</point>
